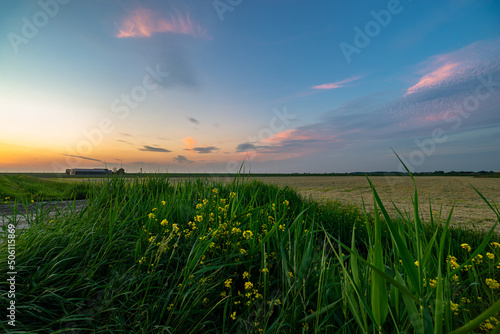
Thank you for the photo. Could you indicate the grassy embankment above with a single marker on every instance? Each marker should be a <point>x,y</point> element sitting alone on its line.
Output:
<point>197,256</point>
<point>23,188</point>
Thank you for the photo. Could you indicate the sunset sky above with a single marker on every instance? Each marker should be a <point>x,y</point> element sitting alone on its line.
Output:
<point>284,85</point>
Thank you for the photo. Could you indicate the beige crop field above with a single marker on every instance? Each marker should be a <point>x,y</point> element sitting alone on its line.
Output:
<point>470,210</point>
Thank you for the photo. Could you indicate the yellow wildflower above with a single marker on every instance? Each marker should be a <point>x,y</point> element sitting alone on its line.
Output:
<point>233,315</point>
<point>246,275</point>
<point>151,215</point>
<point>489,324</point>
<point>478,259</point>
<point>490,256</point>
<point>454,307</point>
<point>433,283</point>
<point>164,222</point>
<point>467,267</point>
<point>248,285</point>
<point>215,190</point>
<point>453,262</point>
<point>175,228</point>
<point>228,282</point>
<point>163,203</point>
<point>492,283</point>
<point>495,244</point>
<point>247,234</point>
<point>466,247</point>
<point>198,206</point>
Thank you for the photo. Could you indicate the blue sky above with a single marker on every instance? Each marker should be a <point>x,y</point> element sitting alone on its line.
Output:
<point>285,85</point>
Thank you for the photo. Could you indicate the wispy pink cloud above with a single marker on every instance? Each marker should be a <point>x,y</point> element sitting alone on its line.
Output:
<point>436,77</point>
<point>448,69</point>
<point>299,135</point>
<point>144,23</point>
<point>337,84</point>
<point>282,136</point>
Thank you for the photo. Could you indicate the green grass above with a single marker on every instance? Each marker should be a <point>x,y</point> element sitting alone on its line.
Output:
<point>23,188</point>
<point>151,256</point>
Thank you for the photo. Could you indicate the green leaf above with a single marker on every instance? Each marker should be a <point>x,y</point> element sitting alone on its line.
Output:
<point>379,296</point>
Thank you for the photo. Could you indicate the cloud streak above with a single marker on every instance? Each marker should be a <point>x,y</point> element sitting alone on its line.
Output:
<point>84,158</point>
<point>193,120</point>
<point>154,149</point>
<point>436,77</point>
<point>247,147</point>
<point>205,150</point>
<point>143,23</point>
<point>291,143</point>
<point>182,160</point>
<point>338,84</point>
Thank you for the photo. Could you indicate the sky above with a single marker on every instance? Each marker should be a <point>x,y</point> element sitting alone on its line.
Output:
<point>271,86</point>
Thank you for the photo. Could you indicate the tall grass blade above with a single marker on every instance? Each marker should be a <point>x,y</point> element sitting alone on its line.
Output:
<point>379,296</point>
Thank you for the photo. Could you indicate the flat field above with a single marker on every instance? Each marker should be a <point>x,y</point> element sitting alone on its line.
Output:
<point>442,191</point>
